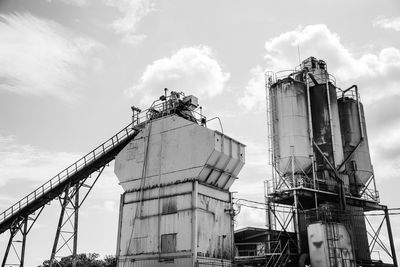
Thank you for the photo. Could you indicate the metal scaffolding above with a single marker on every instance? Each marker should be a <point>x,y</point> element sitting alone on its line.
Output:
<point>289,194</point>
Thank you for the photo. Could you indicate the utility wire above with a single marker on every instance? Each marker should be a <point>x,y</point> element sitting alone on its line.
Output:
<point>282,211</point>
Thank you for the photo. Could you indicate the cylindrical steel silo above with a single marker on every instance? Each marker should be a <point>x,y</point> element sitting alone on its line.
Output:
<point>288,104</point>
<point>326,129</point>
<point>355,143</point>
<point>326,125</point>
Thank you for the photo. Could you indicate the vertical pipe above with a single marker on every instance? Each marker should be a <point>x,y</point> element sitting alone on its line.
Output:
<point>389,230</point>
<point>311,136</point>
<point>270,111</point>
<point>24,234</point>
<point>359,112</point>
<point>232,231</point>
<point>268,210</point>
<point>194,221</point>
<point>328,97</point>
<point>342,199</point>
<point>118,250</point>
<point>296,220</point>
<point>159,199</point>
<point>294,182</point>
<point>76,217</point>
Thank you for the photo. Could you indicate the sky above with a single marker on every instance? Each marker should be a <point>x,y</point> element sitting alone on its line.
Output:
<point>71,69</point>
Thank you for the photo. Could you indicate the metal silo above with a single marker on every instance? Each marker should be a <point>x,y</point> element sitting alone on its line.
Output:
<point>327,138</point>
<point>289,117</point>
<point>355,141</point>
<point>326,125</point>
<point>317,142</point>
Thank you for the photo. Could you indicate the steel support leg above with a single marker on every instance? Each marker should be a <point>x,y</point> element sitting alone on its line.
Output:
<point>67,229</point>
<point>389,229</point>
<point>76,215</point>
<point>13,232</point>
<point>60,223</point>
<point>296,221</point>
<point>21,226</point>
<point>24,234</point>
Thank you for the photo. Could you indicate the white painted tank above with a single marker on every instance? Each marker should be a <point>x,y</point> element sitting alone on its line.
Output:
<point>330,245</point>
<point>288,106</point>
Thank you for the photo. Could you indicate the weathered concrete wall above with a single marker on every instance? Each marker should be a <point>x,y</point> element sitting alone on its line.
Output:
<point>180,209</point>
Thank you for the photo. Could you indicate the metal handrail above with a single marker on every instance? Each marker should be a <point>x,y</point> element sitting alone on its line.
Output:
<point>285,251</point>
<point>276,250</point>
<point>71,170</point>
<point>158,106</point>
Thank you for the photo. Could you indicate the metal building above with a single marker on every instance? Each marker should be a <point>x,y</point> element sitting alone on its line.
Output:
<point>176,174</point>
<point>323,185</point>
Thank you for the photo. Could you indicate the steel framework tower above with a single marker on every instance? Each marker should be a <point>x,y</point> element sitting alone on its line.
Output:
<point>322,185</point>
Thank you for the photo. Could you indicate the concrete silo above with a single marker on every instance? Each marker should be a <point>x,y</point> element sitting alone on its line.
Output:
<point>176,174</point>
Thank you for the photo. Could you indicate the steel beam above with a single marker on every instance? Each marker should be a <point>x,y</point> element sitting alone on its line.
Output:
<point>22,227</point>
<point>76,217</point>
<point>13,232</point>
<point>389,229</point>
<point>71,200</point>
<point>60,224</point>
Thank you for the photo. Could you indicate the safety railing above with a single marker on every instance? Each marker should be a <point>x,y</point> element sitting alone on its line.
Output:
<point>277,253</point>
<point>285,255</point>
<point>297,76</point>
<point>159,108</point>
<point>169,105</point>
<point>71,170</point>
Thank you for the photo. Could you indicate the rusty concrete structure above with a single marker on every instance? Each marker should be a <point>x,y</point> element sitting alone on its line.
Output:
<point>176,174</point>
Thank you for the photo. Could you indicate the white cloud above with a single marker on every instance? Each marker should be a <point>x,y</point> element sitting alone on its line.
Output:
<point>371,70</point>
<point>254,92</point>
<point>27,162</point>
<point>133,11</point>
<point>387,23</point>
<point>319,41</point>
<point>110,205</point>
<point>376,72</point>
<point>41,57</point>
<point>192,69</point>
<point>250,217</point>
<point>73,2</point>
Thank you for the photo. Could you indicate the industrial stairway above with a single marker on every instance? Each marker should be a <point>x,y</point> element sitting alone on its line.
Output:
<point>71,175</point>
<point>278,256</point>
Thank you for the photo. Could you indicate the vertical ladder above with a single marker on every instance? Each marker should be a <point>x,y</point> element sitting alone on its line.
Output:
<point>332,236</point>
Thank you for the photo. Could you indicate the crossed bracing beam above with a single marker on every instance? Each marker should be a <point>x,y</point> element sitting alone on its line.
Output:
<point>66,239</point>
<point>375,235</point>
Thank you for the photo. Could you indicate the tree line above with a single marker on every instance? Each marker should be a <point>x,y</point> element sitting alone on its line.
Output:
<point>84,260</point>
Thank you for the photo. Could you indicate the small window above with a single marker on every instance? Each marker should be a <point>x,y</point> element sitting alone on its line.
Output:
<point>169,205</point>
<point>168,243</point>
